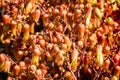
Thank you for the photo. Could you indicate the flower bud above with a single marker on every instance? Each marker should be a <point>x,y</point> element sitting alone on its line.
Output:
<point>67,42</point>
<point>19,28</point>
<point>115,78</point>
<point>32,26</point>
<point>16,69</point>
<point>106,64</point>
<point>99,58</point>
<point>81,29</point>
<point>55,50</point>
<point>35,56</point>
<point>14,11</point>
<point>74,58</point>
<point>14,27</point>
<point>6,19</point>
<point>112,1</point>
<point>59,58</point>
<point>28,8</point>
<point>93,40</point>
<point>98,13</point>
<point>88,13</point>
<point>48,55</point>
<point>36,15</point>
<point>116,59</point>
<point>38,72</point>
<point>26,32</point>
<point>117,70</point>
<point>68,75</point>
<point>7,66</point>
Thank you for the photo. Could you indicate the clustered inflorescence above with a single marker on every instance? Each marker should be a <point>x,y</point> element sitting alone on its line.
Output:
<point>60,39</point>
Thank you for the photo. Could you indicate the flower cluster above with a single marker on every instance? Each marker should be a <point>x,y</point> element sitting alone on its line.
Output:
<point>60,39</point>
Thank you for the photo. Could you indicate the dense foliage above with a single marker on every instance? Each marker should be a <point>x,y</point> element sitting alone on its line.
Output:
<point>60,39</point>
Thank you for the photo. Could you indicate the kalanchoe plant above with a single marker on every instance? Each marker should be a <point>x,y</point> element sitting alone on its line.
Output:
<point>60,39</point>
